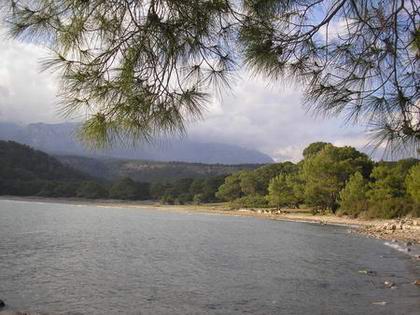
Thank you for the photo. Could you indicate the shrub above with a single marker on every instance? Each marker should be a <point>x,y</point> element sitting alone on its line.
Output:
<point>389,208</point>
<point>413,183</point>
<point>250,201</point>
<point>92,190</point>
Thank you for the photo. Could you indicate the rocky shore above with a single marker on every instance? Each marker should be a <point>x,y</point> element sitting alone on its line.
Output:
<point>407,230</point>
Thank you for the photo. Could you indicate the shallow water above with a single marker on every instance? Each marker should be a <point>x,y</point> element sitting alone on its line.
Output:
<point>67,259</point>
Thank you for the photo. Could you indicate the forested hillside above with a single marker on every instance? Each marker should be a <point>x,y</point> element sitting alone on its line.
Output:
<point>149,171</point>
<point>28,172</point>
<point>25,171</point>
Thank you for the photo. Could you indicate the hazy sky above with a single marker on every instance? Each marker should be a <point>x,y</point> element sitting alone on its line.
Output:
<point>253,114</point>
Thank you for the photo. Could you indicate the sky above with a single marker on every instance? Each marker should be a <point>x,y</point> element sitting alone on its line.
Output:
<point>253,114</point>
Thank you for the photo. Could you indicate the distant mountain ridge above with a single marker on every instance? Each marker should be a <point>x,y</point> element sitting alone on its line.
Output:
<point>61,139</point>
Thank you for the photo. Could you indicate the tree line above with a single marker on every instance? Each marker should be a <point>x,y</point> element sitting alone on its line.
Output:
<point>337,179</point>
<point>328,178</point>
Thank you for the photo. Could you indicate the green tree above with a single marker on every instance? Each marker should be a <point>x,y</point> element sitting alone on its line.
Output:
<point>197,186</point>
<point>92,190</point>
<point>353,198</point>
<point>265,173</point>
<point>231,188</point>
<point>250,201</point>
<point>313,149</point>
<point>249,182</point>
<point>157,190</point>
<point>182,186</point>
<point>127,189</point>
<point>281,193</point>
<point>413,183</point>
<point>210,187</point>
<point>388,195</point>
<point>297,183</point>
<point>144,67</point>
<point>325,174</point>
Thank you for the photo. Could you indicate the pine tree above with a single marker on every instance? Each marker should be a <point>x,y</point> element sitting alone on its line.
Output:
<point>353,199</point>
<point>140,68</point>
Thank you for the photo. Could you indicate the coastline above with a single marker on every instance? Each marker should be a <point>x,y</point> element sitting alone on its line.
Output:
<point>402,230</point>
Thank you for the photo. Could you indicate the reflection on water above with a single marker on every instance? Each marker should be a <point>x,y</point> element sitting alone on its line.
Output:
<point>67,259</point>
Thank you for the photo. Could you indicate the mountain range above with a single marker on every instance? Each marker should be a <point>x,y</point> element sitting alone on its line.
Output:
<point>61,139</point>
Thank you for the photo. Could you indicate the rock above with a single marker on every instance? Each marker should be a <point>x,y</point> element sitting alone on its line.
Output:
<point>389,284</point>
<point>394,241</point>
<point>417,282</point>
<point>408,249</point>
<point>20,313</point>
<point>2,304</point>
<point>408,244</point>
<point>368,272</point>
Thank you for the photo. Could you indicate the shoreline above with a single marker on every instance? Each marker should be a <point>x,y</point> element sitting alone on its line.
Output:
<point>403,230</point>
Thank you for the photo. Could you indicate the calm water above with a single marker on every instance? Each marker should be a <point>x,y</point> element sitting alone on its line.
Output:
<point>66,259</point>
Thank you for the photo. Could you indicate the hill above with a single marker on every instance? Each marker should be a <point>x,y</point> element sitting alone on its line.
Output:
<point>61,139</point>
<point>25,171</point>
<point>148,171</point>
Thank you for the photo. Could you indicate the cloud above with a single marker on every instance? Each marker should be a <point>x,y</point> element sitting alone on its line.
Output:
<point>266,116</point>
<point>26,94</point>
<point>270,117</point>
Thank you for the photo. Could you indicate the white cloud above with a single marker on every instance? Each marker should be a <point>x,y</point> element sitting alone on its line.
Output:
<point>254,114</point>
<point>270,119</point>
<point>26,94</point>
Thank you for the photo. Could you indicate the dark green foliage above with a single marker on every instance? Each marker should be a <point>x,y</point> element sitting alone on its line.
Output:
<point>92,190</point>
<point>285,190</point>
<point>388,196</point>
<point>313,149</point>
<point>249,201</point>
<point>127,189</point>
<point>265,173</point>
<point>389,207</point>
<point>58,189</point>
<point>254,182</point>
<point>231,189</point>
<point>204,190</point>
<point>187,190</point>
<point>28,172</point>
<point>150,171</point>
<point>413,183</point>
<point>326,173</point>
<point>19,161</point>
<point>353,198</point>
